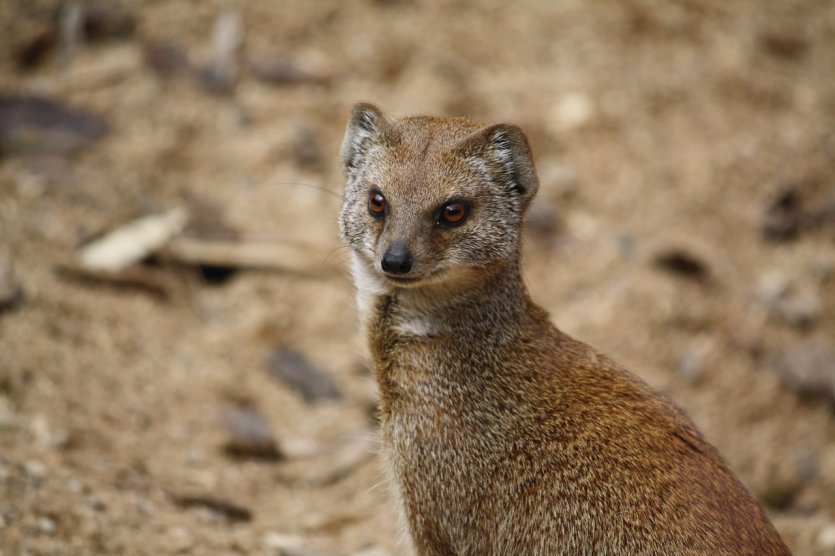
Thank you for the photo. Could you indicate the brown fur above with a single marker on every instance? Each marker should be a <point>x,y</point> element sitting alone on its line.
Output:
<point>504,435</point>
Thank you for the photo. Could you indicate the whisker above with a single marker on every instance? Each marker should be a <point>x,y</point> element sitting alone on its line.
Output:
<point>303,184</point>
<point>375,486</point>
<point>336,253</point>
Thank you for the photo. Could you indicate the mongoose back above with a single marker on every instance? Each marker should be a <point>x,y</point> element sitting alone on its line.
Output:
<point>505,436</point>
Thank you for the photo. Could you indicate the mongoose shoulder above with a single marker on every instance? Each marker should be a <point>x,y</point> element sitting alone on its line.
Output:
<point>504,435</point>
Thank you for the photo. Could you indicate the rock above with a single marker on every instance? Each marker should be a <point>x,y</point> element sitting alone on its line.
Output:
<point>571,111</point>
<point>542,218</point>
<point>180,540</point>
<point>128,244</point>
<point>11,293</point>
<point>797,304</point>
<point>228,510</point>
<point>783,43</point>
<point>334,464</point>
<point>46,436</point>
<point>808,367</point>
<point>46,525</point>
<point>282,544</point>
<point>691,365</point>
<point>220,75</point>
<point>682,263</point>
<point>166,59</point>
<point>556,180</point>
<point>307,150</point>
<point>250,435</point>
<point>35,469</point>
<point>107,20</point>
<point>294,370</point>
<point>96,503</point>
<point>35,48</point>
<point>801,309</point>
<point>39,125</point>
<point>370,551</point>
<point>279,71</point>
<point>825,539</point>
<point>791,215</point>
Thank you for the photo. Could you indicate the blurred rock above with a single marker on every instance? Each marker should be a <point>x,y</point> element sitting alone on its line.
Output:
<point>128,244</point>
<point>825,539</point>
<point>282,544</point>
<point>46,436</point>
<point>31,51</point>
<point>294,370</point>
<point>226,509</point>
<point>47,525</point>
<point>179,540</point>
<point>249,435</point>
<point>543,219</point>
<point>307,150</point>
<point>70,30</point>
<point>556,180</point>
<point>801,309</point>
<point>370,551</point>
<point>11,293</point>
<point>279,71</point>
<point>682,263</point>
<point>690,366</point>
<point>220,75</point>
<point>571,110</point>
<point>784,43</point>
<point>35,469</point>
<point>107,20</point>
<point>39,125</point>
<point>334,464</point>
<point>808,367</point>
<point>166,59</point>
<point>790,215</point>
<point>797,304</point>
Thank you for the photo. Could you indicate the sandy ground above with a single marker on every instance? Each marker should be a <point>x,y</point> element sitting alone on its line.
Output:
<point>662,131</point>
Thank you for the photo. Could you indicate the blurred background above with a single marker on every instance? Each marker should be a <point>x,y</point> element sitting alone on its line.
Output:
<point>180,366</point>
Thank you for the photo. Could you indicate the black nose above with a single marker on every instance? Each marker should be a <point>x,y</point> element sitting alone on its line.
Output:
<point>397,259</point>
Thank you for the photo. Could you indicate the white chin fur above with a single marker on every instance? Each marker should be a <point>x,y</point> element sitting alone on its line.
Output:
<point>369,285</point>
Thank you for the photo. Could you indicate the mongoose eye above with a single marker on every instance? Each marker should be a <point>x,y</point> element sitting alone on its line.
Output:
<point>376,204</point>
<point>453,214</point>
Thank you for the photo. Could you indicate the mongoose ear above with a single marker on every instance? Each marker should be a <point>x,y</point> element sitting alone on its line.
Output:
<point>505,157</point>
<point>367,127</point>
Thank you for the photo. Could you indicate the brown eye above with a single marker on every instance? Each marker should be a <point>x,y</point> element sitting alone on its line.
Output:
<point>376,204</point>
<point>453,213</point>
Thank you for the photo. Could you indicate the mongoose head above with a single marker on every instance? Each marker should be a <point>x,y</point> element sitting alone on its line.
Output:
<point>432,200</point>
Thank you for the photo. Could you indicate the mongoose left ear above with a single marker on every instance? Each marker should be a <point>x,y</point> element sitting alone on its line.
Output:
<point>367,127</point>
<point>505,158</point>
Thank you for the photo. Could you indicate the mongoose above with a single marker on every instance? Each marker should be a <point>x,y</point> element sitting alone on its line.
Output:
<point>504,435</point>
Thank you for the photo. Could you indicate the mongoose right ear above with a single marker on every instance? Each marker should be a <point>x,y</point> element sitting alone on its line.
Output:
<point>367,127</point>
<point>504,156</point>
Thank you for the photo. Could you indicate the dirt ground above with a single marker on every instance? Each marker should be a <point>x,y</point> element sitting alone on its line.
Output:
<point>685,226</point>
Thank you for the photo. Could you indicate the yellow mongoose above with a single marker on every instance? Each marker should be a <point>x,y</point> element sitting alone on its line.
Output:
<point>504,435</point>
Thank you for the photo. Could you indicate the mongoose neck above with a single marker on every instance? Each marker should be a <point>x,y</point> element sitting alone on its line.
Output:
<point>488,305</point>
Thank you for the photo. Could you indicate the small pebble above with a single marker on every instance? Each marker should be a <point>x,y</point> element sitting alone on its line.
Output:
<point>35,469</point>
<point>96,503</point>
<point>249,435</point>
<point>571,111</point>
<point>11,294</point>
<point>145,506</point>
<point>181,540</point>
<point>826,537</point>
<point>46,525</point>
<point>280,543</point>
<point>297,372</point>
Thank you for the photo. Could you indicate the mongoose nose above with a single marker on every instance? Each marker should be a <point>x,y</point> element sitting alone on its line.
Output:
<point>397,259</point>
